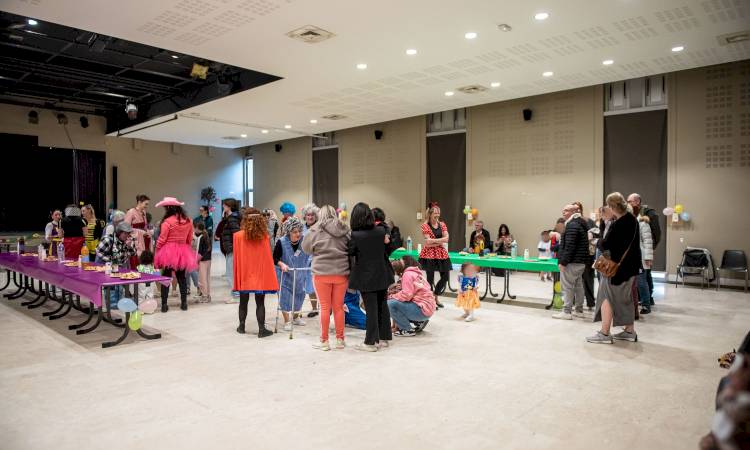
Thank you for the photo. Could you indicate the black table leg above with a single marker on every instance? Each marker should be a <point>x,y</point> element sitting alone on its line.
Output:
<point>125,332</point>
<point>85,322</point>
<point>95,325</point>
<point>21,288</point>
<point>7,280</point>
<point>507,287</point>
<point>65,308</point>
<point>140,331</point>
<point>36,299</point>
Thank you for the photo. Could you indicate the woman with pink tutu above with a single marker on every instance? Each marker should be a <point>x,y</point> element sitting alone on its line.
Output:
<point>174,254</point>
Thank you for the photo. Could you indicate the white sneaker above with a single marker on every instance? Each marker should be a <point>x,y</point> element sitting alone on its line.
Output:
<point>288,326</point>
<point>340,343</point>
<point>366,348</point>
<point>469,319</point>
<point>464,315</point>
<point>562,315</point>
<point>299,322</point>
<point>325,346</point>
<point>383,344</point>
<point>579,315</point>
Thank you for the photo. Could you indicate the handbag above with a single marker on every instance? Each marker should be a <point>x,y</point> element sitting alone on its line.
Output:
<point>606,266</point>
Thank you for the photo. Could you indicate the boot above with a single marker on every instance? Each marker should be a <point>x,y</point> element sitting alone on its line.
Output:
<point>241,328</point>
<point>164,306</point>
<point>183,304</point>
<point>264,332</point>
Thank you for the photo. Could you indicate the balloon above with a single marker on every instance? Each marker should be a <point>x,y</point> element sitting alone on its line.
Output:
<point>557,301</point>
<point>148,307</point>
<point>685,216</point>
<point>342,206</point>
<point>126,305</point>
<point>678,208</point>
<point>474,212</point>
<point>668,211</point>
<point>557,287</point>
<point>467,210</point>
<point>135,321</point>
<point>342,214</point>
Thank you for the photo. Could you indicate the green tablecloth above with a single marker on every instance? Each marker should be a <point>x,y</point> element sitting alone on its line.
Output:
<point>517,263</point>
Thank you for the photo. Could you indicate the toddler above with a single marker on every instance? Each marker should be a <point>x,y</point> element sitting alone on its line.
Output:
<point>468,298</point>
<point>146,265</point>
<point>545,251</point>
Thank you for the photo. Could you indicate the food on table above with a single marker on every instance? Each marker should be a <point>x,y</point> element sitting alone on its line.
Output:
<point>50,258</point>
<point>130,275</point>
<point>71,263</point>
<point>30,254</point>
<point>463,253</point>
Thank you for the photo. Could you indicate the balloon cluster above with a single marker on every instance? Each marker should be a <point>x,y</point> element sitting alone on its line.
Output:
<point>135,321</point>
<point>341,210</point>
<point>471,213</point>
<point>678,213</point>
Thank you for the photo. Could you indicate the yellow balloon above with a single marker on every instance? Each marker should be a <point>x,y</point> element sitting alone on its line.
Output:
<point>678,208</point>
<point>558,287</point>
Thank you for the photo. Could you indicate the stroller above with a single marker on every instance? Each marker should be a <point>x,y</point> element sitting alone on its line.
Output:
<point>696,262</point>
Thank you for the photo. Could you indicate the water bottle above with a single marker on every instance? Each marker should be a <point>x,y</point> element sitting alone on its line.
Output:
<point>513,249</point>
<point>526,253</point>
<point>60,252</point>
<point>21,245</point>
<point>40,252</point>
<point>409,244</point>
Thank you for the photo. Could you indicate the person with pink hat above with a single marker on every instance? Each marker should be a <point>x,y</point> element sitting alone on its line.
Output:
<point>174,254</point>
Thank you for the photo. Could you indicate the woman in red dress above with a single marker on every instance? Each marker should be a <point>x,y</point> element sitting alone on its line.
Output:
<point>174,252</point>
<point>434,256</point>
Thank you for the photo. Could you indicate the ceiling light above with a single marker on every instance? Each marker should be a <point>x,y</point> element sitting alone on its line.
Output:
<point>287,126</point>
<point>243,135</point>
<point>608,62</point>
<point>495,84</point>
<point>313,121</point>
<point>679,48</point>
<point>504,27</point>
<point>411,51</point>
<point>361,66</point>
<point>264,131</point>
<point>548,74</point>
<point>175,56</point>
<point>448,93</point>
<point>32,22</point>
<point>541,16</point>
<point>470,35</point>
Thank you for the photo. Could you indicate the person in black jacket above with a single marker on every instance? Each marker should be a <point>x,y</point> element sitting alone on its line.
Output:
<point>588,271</point>
<point>479,229</point>
<point>230,225</point>
<point>639,209</point>
<point>614,301</point>
<point>397,241</point>
<point>371,274</point>
<point>572,259</point>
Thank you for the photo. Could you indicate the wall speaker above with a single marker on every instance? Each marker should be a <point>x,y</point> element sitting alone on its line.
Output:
<point>526,114</point>
<point>378,134</point>
<point>277,147</point>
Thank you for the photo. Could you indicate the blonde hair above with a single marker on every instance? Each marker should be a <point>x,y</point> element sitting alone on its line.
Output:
<point>327,212</point>
<point>617,203</point>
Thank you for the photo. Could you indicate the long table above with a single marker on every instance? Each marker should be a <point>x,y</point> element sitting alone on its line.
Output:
<point>22,271</point>
<point>493,262</point>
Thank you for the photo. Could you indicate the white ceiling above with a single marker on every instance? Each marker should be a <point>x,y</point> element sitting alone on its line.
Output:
<point>321,79</point>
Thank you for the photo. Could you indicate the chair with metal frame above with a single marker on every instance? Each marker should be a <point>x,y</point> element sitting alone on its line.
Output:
<point>695,262</point>
<point>733,261</point>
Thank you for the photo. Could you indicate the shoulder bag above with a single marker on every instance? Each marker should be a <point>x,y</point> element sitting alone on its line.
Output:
<point>606,266</point>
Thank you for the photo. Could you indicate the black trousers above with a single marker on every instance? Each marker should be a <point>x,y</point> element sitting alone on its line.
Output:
<point>438,288</point>
<point>181,281</point>
<point>378,322</point>
<point>588,285</point>
<point>260,309</point>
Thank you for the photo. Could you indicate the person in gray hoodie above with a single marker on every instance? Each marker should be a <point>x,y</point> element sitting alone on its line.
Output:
<point>327,241</point>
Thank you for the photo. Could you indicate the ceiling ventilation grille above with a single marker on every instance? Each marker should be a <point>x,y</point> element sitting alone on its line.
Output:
<point>310,34</point>
<point>733,38</point>
<point>334,117</point>
<point>472,89</point>
<point>231,138</point>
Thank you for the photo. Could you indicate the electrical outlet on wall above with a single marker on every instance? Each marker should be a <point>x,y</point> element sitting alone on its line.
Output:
<point>419,215</point>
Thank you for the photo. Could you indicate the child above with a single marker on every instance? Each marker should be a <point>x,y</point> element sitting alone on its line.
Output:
<point>146,265</point>
<point>414,302</point>
<point>468,299</point>
<point>479,245</point>
<point>545,251</point>
<point>287,255</point>
<point>204,263</point>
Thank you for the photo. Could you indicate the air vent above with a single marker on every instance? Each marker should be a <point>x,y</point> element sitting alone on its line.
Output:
<point>733,38</point>
<point>334,117</point>
<point>310,34</point>
<point>472,89</point>
<point>231,138</point>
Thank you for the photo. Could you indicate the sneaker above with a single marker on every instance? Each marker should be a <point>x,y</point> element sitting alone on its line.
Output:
<point>600,338</point>
<point>231,300</point>
<point>419,326</point>
<point>265,332</point>
<point>626,336</point>
<point>579,315</point>
<point>464,315</point>
<point>366,348</point>
<point>325,346</point>
<point>198,296</point>
<point>298,322</point>
<point>562,315</point>
<point>469,318</point>
<point>383,344</point>
<point>404,333</point>
<point>645,311</point>
<point>340,343</point>
<point>205,299</point>
<point>313,313</point>
<point>439,305</point>
<point>288,326</point>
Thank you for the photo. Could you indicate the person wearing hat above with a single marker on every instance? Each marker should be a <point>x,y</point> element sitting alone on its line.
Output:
<point>74,230</point>
<point>116,248</point>
<point>288,254</point>
<point>174,253</point>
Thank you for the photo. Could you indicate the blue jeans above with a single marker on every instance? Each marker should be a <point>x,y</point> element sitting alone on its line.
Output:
<point>403,313</point>
<point>644,296</point>
<point>115,292</point>
<point>193,276</point>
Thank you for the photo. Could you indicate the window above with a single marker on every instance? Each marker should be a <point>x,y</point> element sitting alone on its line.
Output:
<point>247,182</point>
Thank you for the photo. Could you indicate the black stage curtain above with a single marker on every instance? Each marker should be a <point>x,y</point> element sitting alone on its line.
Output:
<point>91,168</point>
<point>446,183</point>
<point>326,177</point>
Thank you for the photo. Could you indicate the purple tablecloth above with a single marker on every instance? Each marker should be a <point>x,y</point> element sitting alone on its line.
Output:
<point>87,284</point>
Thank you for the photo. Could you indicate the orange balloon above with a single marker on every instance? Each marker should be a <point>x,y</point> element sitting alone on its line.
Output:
<point>474,212</point>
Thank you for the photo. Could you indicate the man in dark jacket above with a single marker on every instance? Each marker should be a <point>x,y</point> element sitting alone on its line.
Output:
<point>479,229</point>
<point>230,225</point>
<point>572,259</point>
<point>639,209</point>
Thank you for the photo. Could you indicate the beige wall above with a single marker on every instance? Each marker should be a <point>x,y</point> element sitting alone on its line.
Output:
<point>146,167</point>
<point>284,176</point>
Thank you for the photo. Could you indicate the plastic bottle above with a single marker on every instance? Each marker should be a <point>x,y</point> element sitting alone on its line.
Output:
<point>409,244</point>
<point>60,252</point>
<point>513,249</point>
<point>526,253</point>
<point>41,252</point>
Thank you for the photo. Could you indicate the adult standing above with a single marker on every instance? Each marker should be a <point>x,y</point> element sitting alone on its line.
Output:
<point>504,240</point>
<point>614,304</point>
<point>204,216</point>
<point>647,258</point>
<point>253,270</point>
<point>327,242</point>
<point>53,232</point>
<point>479,230</point>
<point>174,253</point>
<point>74,230</point>
<point>434,256</point>
<point>116,248</point>
<point>230,225</point>
<point>136,218</point>
<point>588,270</point>
<point>287,210</point>
<point>371,274</point>
<point>572,258</point>
<point>94,230</point>
<point>639,209</point>
<point>310,216</point>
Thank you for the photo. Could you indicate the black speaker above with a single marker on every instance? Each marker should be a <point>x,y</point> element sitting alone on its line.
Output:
<point>527,114</point>
<point>277,147</point>
<point>378,134</point>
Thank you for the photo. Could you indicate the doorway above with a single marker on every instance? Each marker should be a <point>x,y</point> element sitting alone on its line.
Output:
<point>446,182</point>
<point>326,176</point>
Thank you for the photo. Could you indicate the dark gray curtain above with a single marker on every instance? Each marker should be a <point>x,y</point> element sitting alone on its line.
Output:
<point>446,183</point>
<point>326,177</point>
<point>635,160</point>
<point>91,178</point>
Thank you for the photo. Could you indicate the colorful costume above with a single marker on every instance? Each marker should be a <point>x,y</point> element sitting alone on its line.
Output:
<point>467,293</point>
<point>253,265</point>
<point>173,249</point>
<point>291,283</point>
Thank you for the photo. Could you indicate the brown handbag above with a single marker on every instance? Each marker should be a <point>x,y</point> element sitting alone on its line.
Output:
<point>606,266</point>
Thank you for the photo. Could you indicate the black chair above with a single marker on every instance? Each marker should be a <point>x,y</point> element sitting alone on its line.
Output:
<point>733,261</point>
<point>695,262</point>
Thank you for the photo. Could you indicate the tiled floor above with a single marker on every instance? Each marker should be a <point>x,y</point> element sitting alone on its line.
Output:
<point>515,378</point>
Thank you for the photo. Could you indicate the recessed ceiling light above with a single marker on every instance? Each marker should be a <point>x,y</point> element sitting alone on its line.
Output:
<point>470,35</point>
<point>264,131</point>
<point>541,16</point>
<point>411,51</point>
<point>175,56</point>
<point>495,84</point>
<point>548,74</point>
<point>448,93</point>
<point>361,66</point>
<point>679,48</point>
<point>32,22</point>
<point>608,62</point>
<point>243,135</point>
<point>287,126</point>
<point>313,120</point>
<point>504,27</point>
